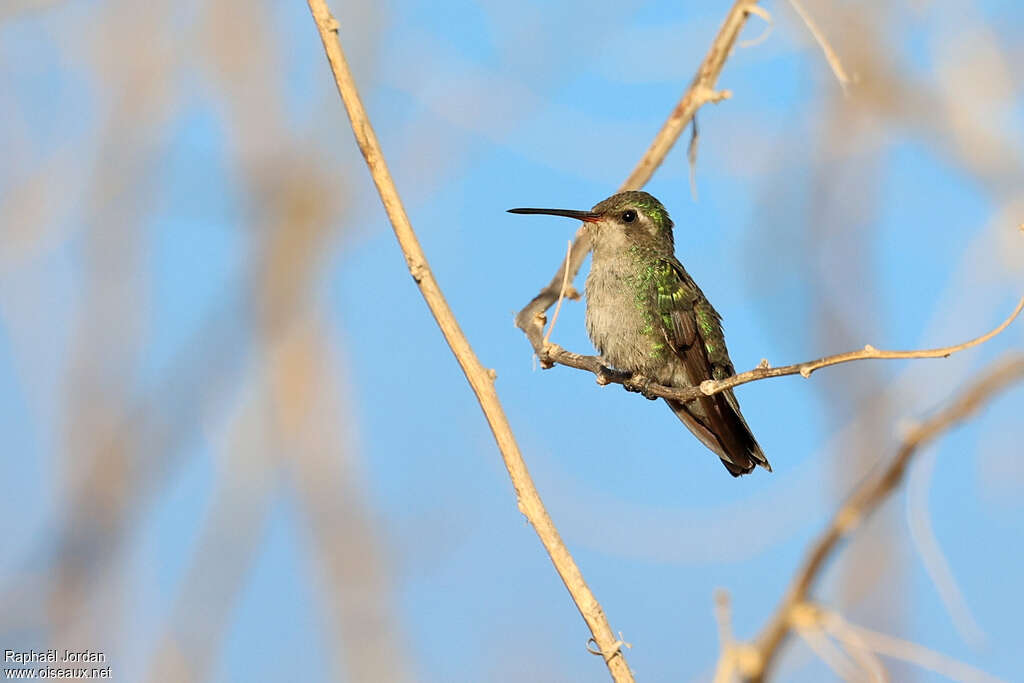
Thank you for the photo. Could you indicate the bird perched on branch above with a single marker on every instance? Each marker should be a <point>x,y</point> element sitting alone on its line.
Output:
<point>647,316</point>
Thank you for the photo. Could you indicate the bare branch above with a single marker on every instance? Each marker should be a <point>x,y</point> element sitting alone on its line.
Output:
<point>726,642</point>
<point>691,157</point>
<point>919,525</point>
<point>867,498</point>
<point>808,622</point>
<point>835,657</point>
<point>701,91</point>
<point>553,354</point>
<point>769,25</point>
<point>561,294</point>
<point>897,648</point>
<point>830,55</point>
<point>479,378</point>
<point>866,644</point>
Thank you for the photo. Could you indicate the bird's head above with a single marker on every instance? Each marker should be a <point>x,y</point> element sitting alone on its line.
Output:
<point>622,220</point>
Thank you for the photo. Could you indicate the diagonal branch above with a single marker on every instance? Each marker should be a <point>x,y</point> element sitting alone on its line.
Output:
<point>480,379</point>
<point>866,498</point>
<point>701,91</point>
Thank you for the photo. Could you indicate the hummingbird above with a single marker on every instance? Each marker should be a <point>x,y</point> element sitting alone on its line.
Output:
<point>647,317</point>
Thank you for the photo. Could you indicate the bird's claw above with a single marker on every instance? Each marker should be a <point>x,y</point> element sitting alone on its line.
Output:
<point>641,384</point>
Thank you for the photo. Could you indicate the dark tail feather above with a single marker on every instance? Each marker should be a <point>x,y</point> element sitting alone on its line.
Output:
<point>717,422</point>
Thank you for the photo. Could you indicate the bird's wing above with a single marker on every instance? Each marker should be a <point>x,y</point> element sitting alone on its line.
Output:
<point>693,328</point>
<point>693,331</point>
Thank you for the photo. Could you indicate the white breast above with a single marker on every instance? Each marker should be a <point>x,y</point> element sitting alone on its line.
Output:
<point>616,325</point>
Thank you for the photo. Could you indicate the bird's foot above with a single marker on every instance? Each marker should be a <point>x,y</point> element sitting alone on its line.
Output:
<point>606,374</point>
<point>641,384</point>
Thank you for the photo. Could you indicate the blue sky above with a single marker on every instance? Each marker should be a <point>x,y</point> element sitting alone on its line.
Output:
<point>901,226</point>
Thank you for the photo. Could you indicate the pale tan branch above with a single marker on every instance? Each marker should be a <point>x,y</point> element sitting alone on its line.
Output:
<point>836,659</point>
<point>561,294</point>
<point>830,55</point>
<point>880,643</point>
<point>765,16</point>
<point>726,642</point>
<point>867,497</point>
<point>552,354</point>
<point>701,91</point>
<point>478,377</point>
<point>919,525</point>
<point>809,622</point>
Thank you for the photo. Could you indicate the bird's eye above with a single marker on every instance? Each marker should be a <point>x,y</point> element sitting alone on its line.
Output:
<point>629,215</point>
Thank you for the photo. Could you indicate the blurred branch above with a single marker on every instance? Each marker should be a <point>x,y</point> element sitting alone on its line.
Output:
<point>551,354</point>
<point>532,318</point>
<point>14,9</point>
<point>226,548</point>
<point>862,652</point>
<point>838,660</point>
<point>830,55</point>
<point>919,526</point>
<point>865,499</point>
<point>728,661</point>
<point>312,427</point>
<point>480,379</point>
<point>877,643</point>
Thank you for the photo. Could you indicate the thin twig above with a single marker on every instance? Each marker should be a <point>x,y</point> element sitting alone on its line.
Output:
<point>701,91</point>
<point>479,378</point>
<point>897,648</point>
<point>723,617</point>
<point>561,294</point>
<point>769,25</point>
<point>919,524</point>
<point>865,656</point>
<point>867,497</point>
<point>726,642</point>
<point>830,55</point>
<point>553,354</point>
<point>807,621</point>
<point>691,157</point>
<point>830,653</point>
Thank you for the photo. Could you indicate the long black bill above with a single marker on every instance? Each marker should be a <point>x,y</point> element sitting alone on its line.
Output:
<point>587,216</point>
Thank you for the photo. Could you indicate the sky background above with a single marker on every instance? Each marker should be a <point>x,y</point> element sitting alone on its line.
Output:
<point>236,446</point>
